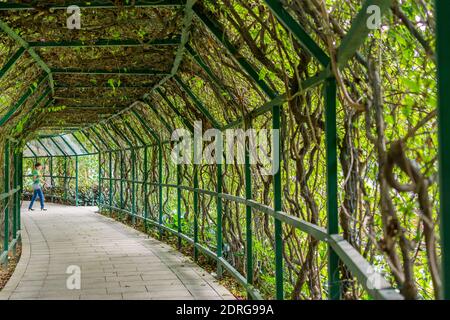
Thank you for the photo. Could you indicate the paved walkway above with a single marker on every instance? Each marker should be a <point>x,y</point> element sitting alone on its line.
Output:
<point>116,261</point>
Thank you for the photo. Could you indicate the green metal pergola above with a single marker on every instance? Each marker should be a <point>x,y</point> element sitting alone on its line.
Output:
<point>115,137</point>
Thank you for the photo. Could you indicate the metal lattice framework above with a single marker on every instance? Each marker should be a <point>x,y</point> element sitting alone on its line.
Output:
<point>131,136</point>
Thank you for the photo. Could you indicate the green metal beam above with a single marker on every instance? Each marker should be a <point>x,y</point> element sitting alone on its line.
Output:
<point>89,139</point>
<point>103,126</point>
<point>133,132</point>
<point>22,100</point>
<point>37,103</point>
<point>298,32</point>
<point>91,107</point>
<point>79,97</point>
<point>147,128</point>
<point>185,34</point>
<point>214,79</point>
<point>334,292</point>
<point>197,102</point>
<point>220,35</point>
<point>12,61</point>
<point>68,144</point>
<point>100,138</point>
<point>45,148</point>
<point>31,150</point>
<point>186,122</point>
<point>442,11</point>
<point>121,134</point>
<point>359,31</point>
<point>105,43</point>
<point>104,86</point>
<point>122,71</point>
<point>58,147</point>
<point>80,143</point>
<point>159,116</point>
<point>202,64</point>
<point>280,100</point>
<point>93,4</point>
<point>12,34</point>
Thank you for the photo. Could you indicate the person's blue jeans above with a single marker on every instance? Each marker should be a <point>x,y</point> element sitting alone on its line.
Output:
<point>37,193</point>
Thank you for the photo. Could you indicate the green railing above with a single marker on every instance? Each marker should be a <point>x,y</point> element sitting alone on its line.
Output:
<point>374,284</point>
<point>11,201</point>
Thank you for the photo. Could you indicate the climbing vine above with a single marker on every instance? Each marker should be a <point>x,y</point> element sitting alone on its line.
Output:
<point>386,120</point>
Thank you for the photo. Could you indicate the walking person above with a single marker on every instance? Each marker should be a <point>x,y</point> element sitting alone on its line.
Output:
<point>37,188</point>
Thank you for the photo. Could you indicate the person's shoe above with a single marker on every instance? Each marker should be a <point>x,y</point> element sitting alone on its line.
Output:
<point>30,209</point>
<point>43,209</point>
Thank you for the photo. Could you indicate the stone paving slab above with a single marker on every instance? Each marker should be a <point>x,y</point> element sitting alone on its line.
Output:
<point>116,261</point>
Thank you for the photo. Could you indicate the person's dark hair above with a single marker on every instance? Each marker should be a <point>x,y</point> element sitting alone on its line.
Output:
<point>37,165</point>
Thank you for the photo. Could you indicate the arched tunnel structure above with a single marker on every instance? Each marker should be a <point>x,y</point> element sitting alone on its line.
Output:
<point>352,207</point>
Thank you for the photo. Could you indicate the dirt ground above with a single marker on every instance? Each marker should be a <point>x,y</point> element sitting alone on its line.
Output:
<point>6,273</point>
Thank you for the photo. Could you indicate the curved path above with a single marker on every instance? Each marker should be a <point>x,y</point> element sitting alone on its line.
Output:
<point>116,261</point>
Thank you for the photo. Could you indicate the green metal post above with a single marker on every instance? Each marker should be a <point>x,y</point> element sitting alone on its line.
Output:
<point>248,212</point>
<point>276,145</point>
<point>110,182</point>
<point>99,179</point>
<point>7,189</point>
<point>145,186</point>
<point>133,186</point>
<point>196,211</point>
<point>219,219</point>
<point>51,178</point>
<point>19,226</point>
<point>179,204</point>
<point>121,180</point>
<point>332,202</point>
<point>443,55</point>
<point>16,202</point>
<point>76,180</point>
<point>160,193</point>
<point>65,179</point>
